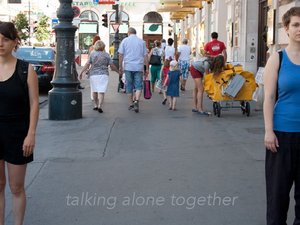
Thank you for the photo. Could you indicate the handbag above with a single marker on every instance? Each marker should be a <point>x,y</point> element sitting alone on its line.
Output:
<point>155,59</point>
<point>147,89</point>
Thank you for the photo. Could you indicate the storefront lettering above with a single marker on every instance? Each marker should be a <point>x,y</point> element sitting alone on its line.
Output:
<point>84,4</point>
<point>131,4</point>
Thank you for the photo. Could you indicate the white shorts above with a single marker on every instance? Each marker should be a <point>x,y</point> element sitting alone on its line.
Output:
<point>98,83</point>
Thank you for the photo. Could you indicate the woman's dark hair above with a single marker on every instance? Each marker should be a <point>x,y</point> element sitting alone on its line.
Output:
<point>8,30</point>
<point>286,18</point>
<point>157,43</point>
<point>218,64</point>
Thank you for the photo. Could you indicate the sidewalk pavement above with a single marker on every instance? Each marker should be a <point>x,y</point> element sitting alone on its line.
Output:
<point>154,167</point>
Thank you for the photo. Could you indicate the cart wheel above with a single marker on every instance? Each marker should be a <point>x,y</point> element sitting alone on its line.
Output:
<point>215,108</point>
<point>247,109</point>
<point>218,109</point>
<point>243,107</point>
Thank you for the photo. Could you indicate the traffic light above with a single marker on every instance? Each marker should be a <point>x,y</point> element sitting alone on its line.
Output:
<point>170,29</point>
<point>35,26</point>
<point>104,20</point>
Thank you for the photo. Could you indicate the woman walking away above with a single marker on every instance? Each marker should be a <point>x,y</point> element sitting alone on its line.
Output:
<point>98,62</point>
<point>155,68</point>
<point>19,111</point>
<point>173,87</point>
<point>282,124</point>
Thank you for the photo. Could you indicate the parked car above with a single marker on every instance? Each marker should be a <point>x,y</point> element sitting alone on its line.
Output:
<point>42,59</point>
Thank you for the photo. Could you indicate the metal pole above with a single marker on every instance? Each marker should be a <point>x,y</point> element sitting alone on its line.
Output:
<point>29,23</point>
<point>65,100</point>
<point>116,37</point>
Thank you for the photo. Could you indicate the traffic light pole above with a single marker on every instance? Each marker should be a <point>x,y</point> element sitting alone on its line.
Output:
<point>65,100</point>
<point>116,37</point>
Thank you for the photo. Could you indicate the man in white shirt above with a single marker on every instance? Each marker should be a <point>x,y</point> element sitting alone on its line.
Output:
<point>183,56</point>
<point>169,50</point>
<point>133,52</point>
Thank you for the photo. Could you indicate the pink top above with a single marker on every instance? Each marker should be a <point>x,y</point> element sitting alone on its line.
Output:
<point>165,70</point>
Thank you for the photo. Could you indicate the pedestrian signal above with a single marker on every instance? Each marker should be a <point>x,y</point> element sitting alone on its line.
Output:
<point>104,20</point>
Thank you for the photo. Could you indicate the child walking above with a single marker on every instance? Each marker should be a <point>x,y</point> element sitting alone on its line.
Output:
<point>163,76</point>
<point>173,78</point>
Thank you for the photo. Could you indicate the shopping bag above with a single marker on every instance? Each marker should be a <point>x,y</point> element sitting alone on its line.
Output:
<point>159,85</point>
<point>147,89</point>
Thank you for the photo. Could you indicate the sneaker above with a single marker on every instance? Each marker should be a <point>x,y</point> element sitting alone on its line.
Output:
<point>130,107</point>
<point>195,110</point>
<point>100,110</point>
<point>136,106</point>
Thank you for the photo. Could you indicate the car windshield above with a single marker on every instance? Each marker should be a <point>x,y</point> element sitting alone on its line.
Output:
<point>35,54</point>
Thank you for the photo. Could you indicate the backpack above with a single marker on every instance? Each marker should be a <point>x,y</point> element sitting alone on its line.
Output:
<point>22,71</point>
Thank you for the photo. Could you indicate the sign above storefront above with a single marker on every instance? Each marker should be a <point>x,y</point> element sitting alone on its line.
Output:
<point>96,3</point>
<point>106,2</point>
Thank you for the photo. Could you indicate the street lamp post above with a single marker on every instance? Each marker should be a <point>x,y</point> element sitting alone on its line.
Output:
<point>65,100</point>
<point>116,37</point>
<point>29,19</point>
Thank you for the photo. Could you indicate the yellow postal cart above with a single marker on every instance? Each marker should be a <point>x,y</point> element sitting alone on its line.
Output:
<point>233,88</point>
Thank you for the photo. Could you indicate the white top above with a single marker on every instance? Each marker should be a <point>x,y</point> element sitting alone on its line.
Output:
<point>169,52</point>
<point>185,52</point>
<point>133,50</point>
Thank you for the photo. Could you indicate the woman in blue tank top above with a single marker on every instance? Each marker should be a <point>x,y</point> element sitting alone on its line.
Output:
<point>19,109</point>
<point>282,124</point>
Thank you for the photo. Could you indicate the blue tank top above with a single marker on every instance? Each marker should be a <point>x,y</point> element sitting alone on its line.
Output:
<point>287,107</point>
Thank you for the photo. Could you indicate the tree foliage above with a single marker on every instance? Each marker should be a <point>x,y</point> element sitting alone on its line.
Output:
<point>22,25</point>
<point>42,31</point>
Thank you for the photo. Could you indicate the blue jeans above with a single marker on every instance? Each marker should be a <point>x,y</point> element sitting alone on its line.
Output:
<point>134,80</point>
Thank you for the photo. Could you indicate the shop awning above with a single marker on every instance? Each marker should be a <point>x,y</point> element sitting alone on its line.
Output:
<point>179,9</point>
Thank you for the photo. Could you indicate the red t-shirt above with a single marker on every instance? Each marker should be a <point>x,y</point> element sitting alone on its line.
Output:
<point>214,47</point>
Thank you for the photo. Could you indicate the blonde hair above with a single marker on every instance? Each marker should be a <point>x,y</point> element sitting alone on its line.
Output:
<point>99,46</point>
<point>173,68</point>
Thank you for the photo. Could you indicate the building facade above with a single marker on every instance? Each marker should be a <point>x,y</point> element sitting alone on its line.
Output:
<point>250,29</point>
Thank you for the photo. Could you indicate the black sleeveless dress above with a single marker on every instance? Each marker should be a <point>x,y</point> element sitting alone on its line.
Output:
<point>14,119</point>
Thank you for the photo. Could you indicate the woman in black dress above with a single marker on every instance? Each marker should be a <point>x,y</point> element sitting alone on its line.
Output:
<point>19,109</point>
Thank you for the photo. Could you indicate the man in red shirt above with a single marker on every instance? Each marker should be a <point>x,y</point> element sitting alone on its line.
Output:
<point>215,47</point>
